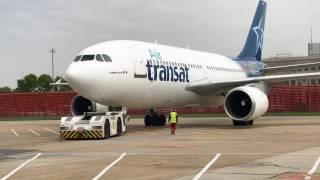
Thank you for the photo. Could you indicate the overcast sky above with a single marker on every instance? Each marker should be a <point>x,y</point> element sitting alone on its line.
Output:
<point>29,28</point>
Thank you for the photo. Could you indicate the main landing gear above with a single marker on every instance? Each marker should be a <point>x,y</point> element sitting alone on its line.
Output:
<point>242,123</point>
<point>154,119</point>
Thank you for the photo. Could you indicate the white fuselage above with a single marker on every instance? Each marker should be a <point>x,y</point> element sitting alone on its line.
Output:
<point>146,75</point>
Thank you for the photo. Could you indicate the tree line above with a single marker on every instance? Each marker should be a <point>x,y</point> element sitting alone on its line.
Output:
<point>34,83</point>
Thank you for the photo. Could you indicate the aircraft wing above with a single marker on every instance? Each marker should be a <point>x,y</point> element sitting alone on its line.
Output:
<point>59,83</point>
<point>276,69</point>
<point>206,87</point>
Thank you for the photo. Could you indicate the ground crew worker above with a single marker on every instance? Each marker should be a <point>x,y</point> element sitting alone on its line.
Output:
<point>173,119</point>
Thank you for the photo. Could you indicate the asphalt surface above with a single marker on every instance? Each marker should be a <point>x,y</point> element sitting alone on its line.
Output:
<point>203,148</point>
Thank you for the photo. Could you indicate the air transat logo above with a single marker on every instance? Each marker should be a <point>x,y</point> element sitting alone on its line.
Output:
<point>258,30</point>
<point>165,72</point>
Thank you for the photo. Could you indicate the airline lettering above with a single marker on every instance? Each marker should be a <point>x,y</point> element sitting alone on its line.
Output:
<point>167,73</point>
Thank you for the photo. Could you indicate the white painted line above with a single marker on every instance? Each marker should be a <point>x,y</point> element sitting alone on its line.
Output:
<point>33,132</point>
<point>20,167</point>
<point>22,155</point>
<point>51,131</point>
<point>313,170</point>
<point>207,167</point>
<point>108,167</point>
<point>14,132</point>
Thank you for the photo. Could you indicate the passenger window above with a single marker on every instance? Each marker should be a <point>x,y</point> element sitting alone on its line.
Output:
<point>99,58</point>
<point>87,58</point>
<point>107,58</point>
<point>77,59</point>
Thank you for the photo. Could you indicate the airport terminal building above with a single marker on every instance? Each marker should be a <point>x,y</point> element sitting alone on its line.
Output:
<point>287,59</point>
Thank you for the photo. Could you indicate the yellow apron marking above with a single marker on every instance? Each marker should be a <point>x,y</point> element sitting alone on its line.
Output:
<point>94,134</point>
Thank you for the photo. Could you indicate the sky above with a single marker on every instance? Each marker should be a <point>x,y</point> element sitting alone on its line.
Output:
<point>30,28</point>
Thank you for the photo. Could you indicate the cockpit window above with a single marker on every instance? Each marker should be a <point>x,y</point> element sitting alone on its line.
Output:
<point>107,58</point>
<point>87,58</point>
<point>99,58</point>
<point>77,59</point>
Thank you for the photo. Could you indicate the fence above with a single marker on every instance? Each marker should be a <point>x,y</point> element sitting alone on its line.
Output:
<point>282,99</point>
<point>295,99</point>
<point>35,104</point>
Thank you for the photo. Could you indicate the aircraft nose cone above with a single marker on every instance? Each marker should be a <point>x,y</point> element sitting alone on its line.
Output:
<point>71,74</point>
<point>77,78</point>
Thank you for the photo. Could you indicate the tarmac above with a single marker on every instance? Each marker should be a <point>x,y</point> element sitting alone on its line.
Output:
<point>203,148</point>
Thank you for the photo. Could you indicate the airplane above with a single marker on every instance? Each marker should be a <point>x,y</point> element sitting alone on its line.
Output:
<point>141,75</point>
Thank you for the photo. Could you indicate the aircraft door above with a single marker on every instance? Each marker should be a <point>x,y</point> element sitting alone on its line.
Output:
<point>139,63</point>
<point>205,70</point>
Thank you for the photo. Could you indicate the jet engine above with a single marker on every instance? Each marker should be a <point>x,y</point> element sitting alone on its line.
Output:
<point>246,103</point>
<point>81,105</point>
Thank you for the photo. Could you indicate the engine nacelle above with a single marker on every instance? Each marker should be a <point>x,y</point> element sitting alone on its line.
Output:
<point>246,103</point>
<point>81,105</point>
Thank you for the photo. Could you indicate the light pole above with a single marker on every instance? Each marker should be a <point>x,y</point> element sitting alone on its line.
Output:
<point>52,51</point>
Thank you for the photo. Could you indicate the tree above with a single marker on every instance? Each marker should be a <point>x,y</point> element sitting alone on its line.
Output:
<point>44,83</point>
<point>22,86</point>
<point>5,89</point>
<point>28,84</point>
<point>31,83</point>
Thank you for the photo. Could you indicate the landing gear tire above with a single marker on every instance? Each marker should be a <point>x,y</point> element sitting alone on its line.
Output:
<point>155,120</point>
<point>147,120</point>
<point>119,127</point>
<point>162,120</point>
<point>106,130</point>
<point>242,123</point>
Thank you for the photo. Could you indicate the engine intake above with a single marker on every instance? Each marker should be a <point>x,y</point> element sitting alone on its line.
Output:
<point>81,105</point>
<point>246,103</point>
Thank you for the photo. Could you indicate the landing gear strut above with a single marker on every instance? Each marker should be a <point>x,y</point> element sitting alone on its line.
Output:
<point>154,119</point>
